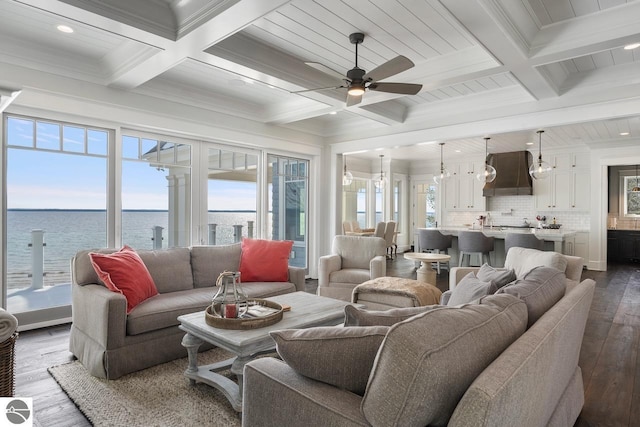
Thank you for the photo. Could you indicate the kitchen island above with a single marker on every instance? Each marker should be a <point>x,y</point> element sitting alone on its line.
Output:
<point>559,240</point>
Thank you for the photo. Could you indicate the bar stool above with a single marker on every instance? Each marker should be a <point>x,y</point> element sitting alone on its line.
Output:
<point>434,241</point>
<point>522,240</point>
<point>474,242</point>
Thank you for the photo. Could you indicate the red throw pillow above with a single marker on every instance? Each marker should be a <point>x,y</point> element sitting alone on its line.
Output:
<point>124,272</point>
<point>265,260</point>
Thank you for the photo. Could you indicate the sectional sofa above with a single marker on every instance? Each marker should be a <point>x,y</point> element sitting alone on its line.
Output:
<point>111,343</point>
<point>479,364</point>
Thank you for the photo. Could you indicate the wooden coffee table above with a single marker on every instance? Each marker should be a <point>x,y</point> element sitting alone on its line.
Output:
<point>425,273</point>
<point>307,310</point>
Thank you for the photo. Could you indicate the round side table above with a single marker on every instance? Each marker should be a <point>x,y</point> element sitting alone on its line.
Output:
<point>425,273</point>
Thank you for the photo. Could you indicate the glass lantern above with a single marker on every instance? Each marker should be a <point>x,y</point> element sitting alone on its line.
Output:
<point>230,301</point>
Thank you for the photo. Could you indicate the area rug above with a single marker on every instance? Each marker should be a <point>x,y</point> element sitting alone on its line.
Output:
<point>159,396</point>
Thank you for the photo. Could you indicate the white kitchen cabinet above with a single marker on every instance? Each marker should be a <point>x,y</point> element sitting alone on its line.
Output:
<point>463,192</point>
<point>567,188</point>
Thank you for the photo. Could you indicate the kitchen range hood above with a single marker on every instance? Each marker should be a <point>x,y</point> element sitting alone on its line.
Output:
<point>512,174</point>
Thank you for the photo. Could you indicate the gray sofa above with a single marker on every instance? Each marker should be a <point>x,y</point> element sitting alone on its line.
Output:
<point>110,343</point>
<point>533,380</point>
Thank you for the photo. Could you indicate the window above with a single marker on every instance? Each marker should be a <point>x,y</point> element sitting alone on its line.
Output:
<point>232,195</point>
<point>631,199</point>
<point>354,202</point>
<point>156,192</point>
<point>288,201</point>
<point>56,205</point>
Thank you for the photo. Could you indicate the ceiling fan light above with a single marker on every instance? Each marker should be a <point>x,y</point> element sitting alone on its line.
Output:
<point>356,90</point>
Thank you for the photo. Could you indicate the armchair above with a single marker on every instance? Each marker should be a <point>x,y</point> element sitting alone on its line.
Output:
<point>354,260</point>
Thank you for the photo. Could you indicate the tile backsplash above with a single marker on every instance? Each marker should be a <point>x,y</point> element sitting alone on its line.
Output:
<point>511,210</point>
<point>615,221</point>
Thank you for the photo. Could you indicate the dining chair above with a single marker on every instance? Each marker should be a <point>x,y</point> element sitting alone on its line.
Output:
<point>389,232</point>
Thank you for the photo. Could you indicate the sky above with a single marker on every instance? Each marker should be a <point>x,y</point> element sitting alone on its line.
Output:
<point>47,180</point>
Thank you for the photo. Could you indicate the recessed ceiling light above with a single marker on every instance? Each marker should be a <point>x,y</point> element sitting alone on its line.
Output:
<point>333,113</point>
<point>632,46</point>
<point>458,151</point>
<point>624,133</point>
<point>65,29</point>
<point>529,143</point>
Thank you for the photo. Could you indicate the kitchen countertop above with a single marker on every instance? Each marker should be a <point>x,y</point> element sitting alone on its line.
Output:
<point>500,233</point>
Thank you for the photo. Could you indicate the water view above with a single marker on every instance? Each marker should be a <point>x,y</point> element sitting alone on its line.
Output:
<point>67,231</point>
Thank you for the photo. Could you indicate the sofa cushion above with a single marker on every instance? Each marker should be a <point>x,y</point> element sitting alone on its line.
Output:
<point>162,311</point>
<point>522,260</point>
<point>499,277</point>
<point>265,260</point>
<point>427,362</point>
<point>540,289</point>
<point>125,272</point>
<point>354,316</point>
<point>342,357</point>
<point>267,289</point>
<point>207,262</point>
<point>470,289</point>
<point>350,275</point>
<point>83,272</point>
<point>170,268</point>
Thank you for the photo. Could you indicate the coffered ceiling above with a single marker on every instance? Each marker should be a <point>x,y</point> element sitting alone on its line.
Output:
<point>502,68</point>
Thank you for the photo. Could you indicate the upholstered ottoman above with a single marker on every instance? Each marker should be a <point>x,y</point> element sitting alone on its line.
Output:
<point>391,292</point>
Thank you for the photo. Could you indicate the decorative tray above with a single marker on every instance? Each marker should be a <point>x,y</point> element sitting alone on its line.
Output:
<point>269,315</point>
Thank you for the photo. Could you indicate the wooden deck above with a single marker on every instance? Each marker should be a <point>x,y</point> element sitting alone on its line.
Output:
<point>610,354</point>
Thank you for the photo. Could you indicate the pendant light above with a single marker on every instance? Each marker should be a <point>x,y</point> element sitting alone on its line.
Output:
<point>382,181</point>
<point>443,174</point>
<point>636,188</point>
<point>347,177</point>
<point>540,169</point>
<point>488,174</point>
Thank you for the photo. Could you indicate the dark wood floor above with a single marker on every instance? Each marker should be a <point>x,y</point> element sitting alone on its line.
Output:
<point>609,358</point>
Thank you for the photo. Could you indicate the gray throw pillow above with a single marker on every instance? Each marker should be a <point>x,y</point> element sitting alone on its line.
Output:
<point>469,290</point>
<point>540,289</point>
<point>498,277</point>
<point>342,357</point>
<point>354,316</point>
<point>427,363</point>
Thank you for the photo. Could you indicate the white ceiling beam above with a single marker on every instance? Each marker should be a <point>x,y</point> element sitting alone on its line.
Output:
<point>7,96</point>
<point>608,29</point>
<point>215,30</point>
<point>488,23</point>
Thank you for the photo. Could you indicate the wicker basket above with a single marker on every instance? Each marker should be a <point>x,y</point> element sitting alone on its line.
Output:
<point>7,361</point>
<point>245,323</point>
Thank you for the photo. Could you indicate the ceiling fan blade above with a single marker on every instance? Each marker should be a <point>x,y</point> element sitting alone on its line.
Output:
<point>318,88</point>
<point>353,100</point>
<point>402,88</point>
<point>389,68</point>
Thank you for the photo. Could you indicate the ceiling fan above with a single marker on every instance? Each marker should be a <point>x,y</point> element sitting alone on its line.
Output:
<point>357,80</point>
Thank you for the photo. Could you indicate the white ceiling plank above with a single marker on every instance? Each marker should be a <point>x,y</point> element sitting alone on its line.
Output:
<point>558,10</point>
<point>584,7</point>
